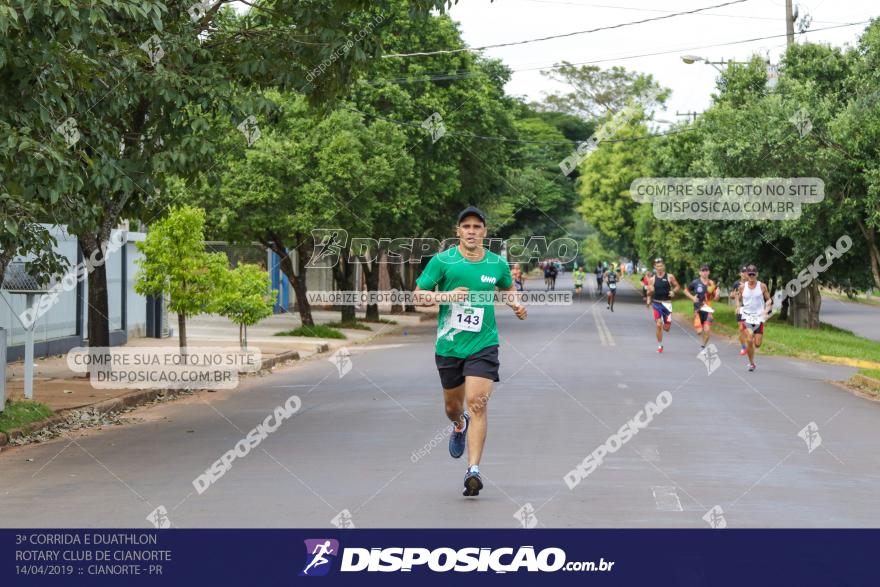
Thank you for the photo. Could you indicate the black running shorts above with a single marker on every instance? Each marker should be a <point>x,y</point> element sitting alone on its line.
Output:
<point>483,363</point>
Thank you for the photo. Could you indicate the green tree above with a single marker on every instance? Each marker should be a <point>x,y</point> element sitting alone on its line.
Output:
<point>593,252</point>
<point>603,185</point>
<point>141,81</point>
<point>538,199</point>
<point>310,170</point>
<point>596,92</point>
<point>245,298</point>
<point>464,93</point>
<point>20,235</point>
<point>749,131</point>
<point>175,264</point>
<point>37,171</point>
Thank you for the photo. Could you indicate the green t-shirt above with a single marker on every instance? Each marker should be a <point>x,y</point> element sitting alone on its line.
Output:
<point>449,270</point>
<point>579,276</point>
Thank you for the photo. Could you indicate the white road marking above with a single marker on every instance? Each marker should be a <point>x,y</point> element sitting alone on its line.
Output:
<point>604,332</point>
<point>373,347</point>
<point>666,498</point>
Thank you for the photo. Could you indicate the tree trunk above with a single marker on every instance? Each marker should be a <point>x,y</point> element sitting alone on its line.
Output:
<point>784,311</point>
<point>99,322</point>
<point>343,273</point>
<point>181,335</point>
<point>396,284</point>
<point>5,258</point>
<point>870,235</point>
<point>797,306</point>
<point>815,297</point>
<point>298,283</point>
<point>371,273</point>
<point>242,337</point>
<point>412,272</point>
<point>805,307</point>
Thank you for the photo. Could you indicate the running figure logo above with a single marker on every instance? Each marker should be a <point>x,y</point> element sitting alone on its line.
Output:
<point>342,360</point>
<point>159,518</point>
<point>801,121</point>
<point>343,520</point>
<point>710,358</point>
<point>526,516</point>
<point>810,435</point>
<point>317,551</point>
<point>328,246</point>
<point>715,517</point>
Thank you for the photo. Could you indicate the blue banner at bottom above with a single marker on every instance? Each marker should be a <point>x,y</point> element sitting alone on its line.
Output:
<point>435,557</point>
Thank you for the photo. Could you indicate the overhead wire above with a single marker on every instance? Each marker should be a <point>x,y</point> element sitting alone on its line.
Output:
<point>564,35</point>
<point>463,74</point>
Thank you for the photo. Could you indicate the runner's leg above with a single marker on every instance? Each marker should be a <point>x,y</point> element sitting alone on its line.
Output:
<point>750,345</point>
<point>454,400</point>
<point>477,390</point>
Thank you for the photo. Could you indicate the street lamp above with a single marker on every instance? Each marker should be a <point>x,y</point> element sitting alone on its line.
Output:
<point>772,70</point>
<point>691,59</point>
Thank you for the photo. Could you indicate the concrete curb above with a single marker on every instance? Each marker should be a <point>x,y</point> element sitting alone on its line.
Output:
<point>135,398</point>
<point>850,362</point>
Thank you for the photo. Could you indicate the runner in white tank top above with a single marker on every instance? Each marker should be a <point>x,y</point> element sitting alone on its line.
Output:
<point>754,303</point>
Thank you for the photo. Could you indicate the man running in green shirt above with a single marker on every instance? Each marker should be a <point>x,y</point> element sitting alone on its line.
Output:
<point>467,336</point>
<point>579,275</point>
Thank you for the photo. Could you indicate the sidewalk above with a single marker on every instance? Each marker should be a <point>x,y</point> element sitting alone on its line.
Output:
<point>57,386</point>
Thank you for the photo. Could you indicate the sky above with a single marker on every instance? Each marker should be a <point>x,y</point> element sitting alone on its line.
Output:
<point>483,23</point>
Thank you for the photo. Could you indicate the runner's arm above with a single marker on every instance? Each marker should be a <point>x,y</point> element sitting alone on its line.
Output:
<point>512,299</point>
<point>768,301</point>
<point>688,294</point>
<point>649,290</point>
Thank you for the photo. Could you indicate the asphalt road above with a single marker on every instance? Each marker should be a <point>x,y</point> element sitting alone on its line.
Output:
<point>861,319</point>
<point>571,376</point>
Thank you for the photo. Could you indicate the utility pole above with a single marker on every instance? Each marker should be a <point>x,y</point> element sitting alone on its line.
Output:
<point>789,22</point>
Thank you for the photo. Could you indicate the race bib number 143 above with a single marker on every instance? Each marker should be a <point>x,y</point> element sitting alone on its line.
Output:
<point>467,318</point>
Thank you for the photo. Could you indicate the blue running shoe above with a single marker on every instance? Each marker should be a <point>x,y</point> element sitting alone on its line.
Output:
<point>472,483</point>
<point>457,440</point>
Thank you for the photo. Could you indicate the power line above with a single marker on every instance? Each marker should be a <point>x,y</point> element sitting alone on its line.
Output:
<point>605,28</point>
<point>752,40</point>
<point>639,9</point>
<point>463,74</point>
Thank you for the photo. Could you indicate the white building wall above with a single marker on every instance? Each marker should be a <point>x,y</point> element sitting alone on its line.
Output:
<point>60,320</point>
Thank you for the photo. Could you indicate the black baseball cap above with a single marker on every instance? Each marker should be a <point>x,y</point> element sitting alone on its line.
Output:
<point>471,211</point>
<point>751,269</point>
<point>658,260</point>
<point>704,267</point>
<point>744,269</point>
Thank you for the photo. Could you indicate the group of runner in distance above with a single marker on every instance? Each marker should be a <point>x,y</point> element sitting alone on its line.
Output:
<point>466,350</point>
<point>753,304</point>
